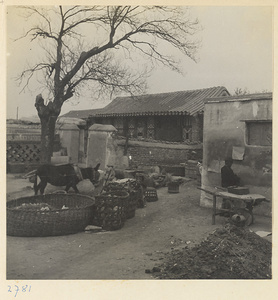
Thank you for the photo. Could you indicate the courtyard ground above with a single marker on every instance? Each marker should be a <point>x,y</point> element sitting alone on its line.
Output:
<point>174,222</point>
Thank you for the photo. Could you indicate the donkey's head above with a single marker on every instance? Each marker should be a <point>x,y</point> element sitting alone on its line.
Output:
<point>92,174</point>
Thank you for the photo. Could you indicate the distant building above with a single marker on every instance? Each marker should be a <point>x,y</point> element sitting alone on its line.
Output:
<point>81,114</point>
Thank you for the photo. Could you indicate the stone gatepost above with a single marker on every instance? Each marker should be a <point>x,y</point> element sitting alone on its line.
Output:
<point>69,137</point>
<point>102,147</point>
<point>81,156</point>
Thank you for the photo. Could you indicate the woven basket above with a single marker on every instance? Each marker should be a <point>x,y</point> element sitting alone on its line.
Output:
<point>139,194</point>
<point>49,215</point>
<point>151,194</point>
<point>110,210</point>
<point>173,187</point>
<point>141,201</point>
<point>131,205</point>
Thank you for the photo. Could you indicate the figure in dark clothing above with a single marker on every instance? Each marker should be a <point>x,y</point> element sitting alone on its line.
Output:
<point>228,177</point>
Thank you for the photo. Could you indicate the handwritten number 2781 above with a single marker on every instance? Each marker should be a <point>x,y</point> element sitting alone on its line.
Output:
<point>23,289</point>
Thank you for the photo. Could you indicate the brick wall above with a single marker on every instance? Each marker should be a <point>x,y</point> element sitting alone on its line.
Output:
<point>153,154</point>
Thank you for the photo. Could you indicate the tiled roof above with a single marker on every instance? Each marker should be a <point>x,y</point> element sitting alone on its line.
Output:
<point>183,102</point>
<point>81,114</point>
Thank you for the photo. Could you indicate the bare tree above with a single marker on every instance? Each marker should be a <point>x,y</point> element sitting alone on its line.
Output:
<point>73,60</point>
<point>245,91</point>
<point>240,91</point>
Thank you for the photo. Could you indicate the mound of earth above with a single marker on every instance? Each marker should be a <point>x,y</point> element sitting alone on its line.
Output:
<point>228,253</point>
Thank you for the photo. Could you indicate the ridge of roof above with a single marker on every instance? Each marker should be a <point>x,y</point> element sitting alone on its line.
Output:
<point>246,97</point>
<point>167,93</point>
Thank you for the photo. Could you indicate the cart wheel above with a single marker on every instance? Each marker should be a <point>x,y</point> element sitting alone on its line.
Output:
<point>227,204</point>
<point>248,215</point>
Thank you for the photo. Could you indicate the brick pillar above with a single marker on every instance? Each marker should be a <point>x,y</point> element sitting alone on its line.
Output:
<point>69,138</point>
<point>101,147</point>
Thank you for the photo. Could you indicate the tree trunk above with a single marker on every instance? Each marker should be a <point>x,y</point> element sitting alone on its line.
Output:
<point>48,115</point>
<point>47,138</point>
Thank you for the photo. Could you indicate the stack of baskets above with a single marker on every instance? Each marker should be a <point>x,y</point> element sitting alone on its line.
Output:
<point>110,209</point>
<point>129,186</point>
<point>137,189</point>
<point>49,215</point>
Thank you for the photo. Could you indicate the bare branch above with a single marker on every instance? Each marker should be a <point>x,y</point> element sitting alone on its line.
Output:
<point>123,30</point>
<point>29,73</point>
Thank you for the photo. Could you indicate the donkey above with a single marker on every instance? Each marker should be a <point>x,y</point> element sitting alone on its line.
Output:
<point>64,175</point>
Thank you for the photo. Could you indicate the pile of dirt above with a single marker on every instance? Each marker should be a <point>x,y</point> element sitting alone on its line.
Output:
<point>228,253</point>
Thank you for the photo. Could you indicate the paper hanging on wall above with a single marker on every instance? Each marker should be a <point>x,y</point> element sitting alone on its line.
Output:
<point>238,153</point>
<point>214,166</point>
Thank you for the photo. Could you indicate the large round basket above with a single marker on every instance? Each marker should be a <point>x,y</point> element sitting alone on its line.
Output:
<point>49,215</point>
<point>110,210</point>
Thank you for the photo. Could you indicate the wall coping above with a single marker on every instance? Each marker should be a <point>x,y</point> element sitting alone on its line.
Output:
<point>66,126</point>
<point>102,127</point>
<point>159,145</point>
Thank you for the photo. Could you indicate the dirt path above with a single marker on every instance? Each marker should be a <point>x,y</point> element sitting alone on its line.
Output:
<point>174,221</point>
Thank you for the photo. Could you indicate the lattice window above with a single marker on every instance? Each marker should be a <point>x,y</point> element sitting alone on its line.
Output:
<point>150,134</point>
<point>187,133</point>
<point>131,123</point>
<point>131,127</point>
<point>141,127</point>
<point>150,128</point>
<point>131,132</point>
<point>119,125</point>
<point>150,122</point>
<point>187,121</point>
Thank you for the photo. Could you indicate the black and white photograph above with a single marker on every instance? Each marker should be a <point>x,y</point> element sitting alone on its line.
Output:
<point>138,143</point>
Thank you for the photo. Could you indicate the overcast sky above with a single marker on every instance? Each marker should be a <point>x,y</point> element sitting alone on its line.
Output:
<point>236,52</point>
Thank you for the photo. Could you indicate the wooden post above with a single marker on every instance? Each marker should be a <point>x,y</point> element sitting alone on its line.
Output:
<point>214,210</point>
<point>214,194</point>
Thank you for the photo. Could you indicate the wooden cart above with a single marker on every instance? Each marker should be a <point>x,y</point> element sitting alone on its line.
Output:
<point>238,204</point>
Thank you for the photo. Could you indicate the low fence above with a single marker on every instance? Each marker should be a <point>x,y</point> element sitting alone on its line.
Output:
<point>23,148</point>
<point>22,155</point>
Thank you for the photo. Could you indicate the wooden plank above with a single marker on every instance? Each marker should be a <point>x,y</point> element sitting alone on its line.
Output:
<point>210,191</point>
<point>248,197</point>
